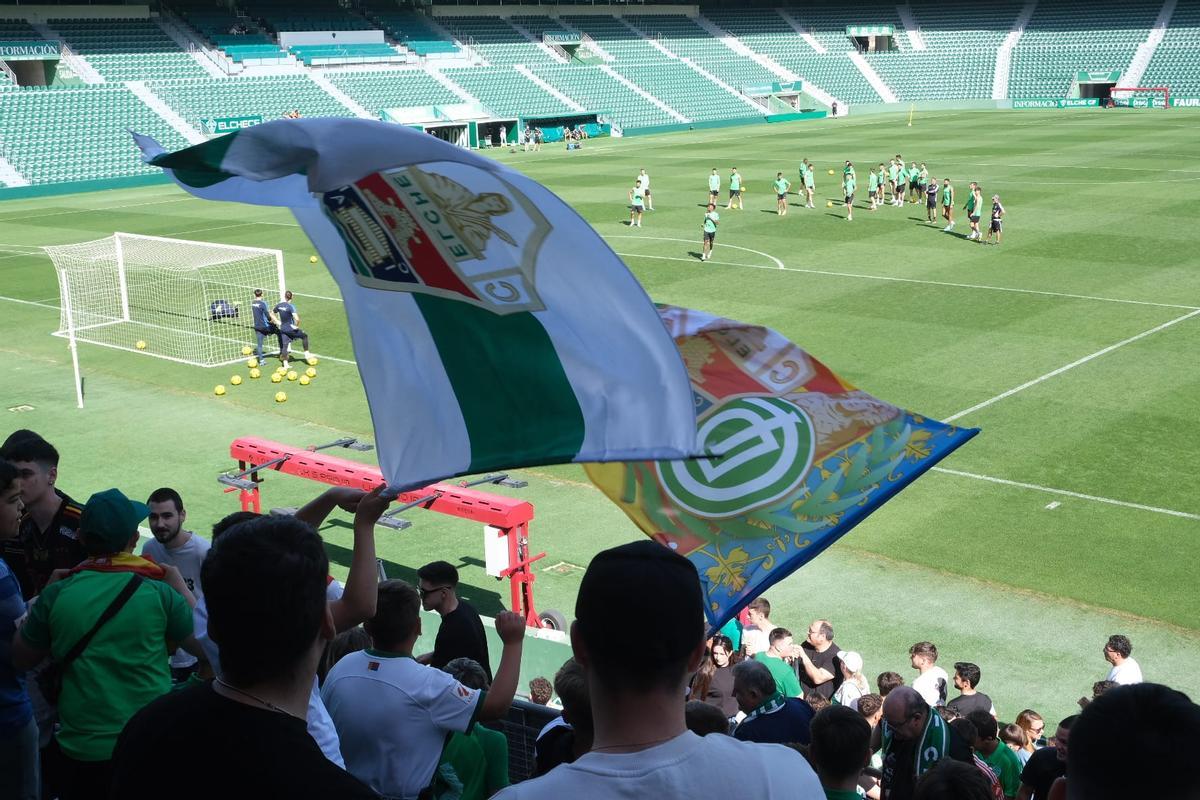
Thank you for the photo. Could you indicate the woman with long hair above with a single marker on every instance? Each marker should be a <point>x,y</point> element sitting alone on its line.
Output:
<point>1034,727</point>
<point>713,682</point>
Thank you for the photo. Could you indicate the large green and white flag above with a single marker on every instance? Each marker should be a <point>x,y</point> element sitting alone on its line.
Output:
<point>492,326</point>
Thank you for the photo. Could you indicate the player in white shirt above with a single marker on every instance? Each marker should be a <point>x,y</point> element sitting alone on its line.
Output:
<point>645,179</point>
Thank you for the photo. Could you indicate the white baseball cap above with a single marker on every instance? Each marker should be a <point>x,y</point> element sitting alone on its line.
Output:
<point>852,660</point>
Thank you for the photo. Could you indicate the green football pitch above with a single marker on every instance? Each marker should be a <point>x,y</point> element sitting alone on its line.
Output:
<point>1074,515</point>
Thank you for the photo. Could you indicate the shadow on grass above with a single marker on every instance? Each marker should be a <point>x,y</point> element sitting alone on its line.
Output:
<point>486,599</point>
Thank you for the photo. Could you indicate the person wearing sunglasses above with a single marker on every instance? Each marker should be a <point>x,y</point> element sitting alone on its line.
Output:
<point>461,633</point>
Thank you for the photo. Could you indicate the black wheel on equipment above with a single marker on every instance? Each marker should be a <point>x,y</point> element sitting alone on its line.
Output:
<point>553,619</point>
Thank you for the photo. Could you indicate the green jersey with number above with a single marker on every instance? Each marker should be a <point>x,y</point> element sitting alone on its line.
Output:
<point>714,183</point>
<point>808,177</point>
<point>735,182</point>
<point>782,185</point>
<point>947,195</point>
<point>850,185</point>
<point>893,173</point>
<point>873,183</point>
<point>710,221</point>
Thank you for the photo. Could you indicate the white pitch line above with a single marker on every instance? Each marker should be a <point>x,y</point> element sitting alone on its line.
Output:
<point>778,263</point>
<point>1065,493</point>
<point>891,278</point>
<point>1070,366</point>
<point>97,210</point>
<point>28,302</point>
<point>56,308</point>
<point>214,228</point>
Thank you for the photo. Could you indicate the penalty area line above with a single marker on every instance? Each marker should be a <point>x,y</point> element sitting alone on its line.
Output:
<point>885,278</point>
<point>1066,493</point>
<point>1066,367</point>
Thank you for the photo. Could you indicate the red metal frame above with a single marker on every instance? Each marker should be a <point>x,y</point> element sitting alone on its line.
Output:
<point>511,516</point>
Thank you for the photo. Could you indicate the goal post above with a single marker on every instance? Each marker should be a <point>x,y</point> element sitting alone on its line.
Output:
<point>175,299</point>
<point>1142,96</point>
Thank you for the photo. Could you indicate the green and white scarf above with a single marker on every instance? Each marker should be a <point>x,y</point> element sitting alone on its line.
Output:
<point>768,706</point>
<point>933,746</point>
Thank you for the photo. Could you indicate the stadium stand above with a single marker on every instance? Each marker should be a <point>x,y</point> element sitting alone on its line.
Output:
<point>960,59</point>
<point>238,37</point>
<point>642,62</point>
<point>127,49</point>
<point>496,40</point>
<point>685,90</point>
<point>1174,63</point>
<point>413,31</point>
<point>312,55</point>
<point>1067,37</point>
<point>506,92</point>
<point>380,89</point>
<point>279,15</point>
<point>601,93</point>
<point>685,38</point>
<point>78,134</point>
<point>766,31</point>
<point>268,95</point>
<point>617,38</point>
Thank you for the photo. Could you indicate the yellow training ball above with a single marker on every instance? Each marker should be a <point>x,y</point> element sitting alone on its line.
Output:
<point>312,362</point>
<point>280,370</point>
<point>255,373</point>
<point>276,378</point>
<point>219,390</point>
<point>292,375</point>
<point>236,380</point>
<point>281,397</point>
<point>140,345</point>
<point>312,259</point>
<point>829,204</point>
<point>305,380</point>
<point>310,372</point>
<point>247,350</point>
<point>252,363</point>
<point>830,172</point>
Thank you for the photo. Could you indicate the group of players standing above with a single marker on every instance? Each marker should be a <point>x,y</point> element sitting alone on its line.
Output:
<point>917,183</point>
<point>894,184</point>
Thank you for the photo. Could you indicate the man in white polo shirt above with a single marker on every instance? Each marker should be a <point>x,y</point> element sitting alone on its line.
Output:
<point>393,714</point>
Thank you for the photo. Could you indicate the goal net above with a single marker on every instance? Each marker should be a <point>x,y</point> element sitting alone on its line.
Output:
<point>1141,96</point>
<point>170,298</point>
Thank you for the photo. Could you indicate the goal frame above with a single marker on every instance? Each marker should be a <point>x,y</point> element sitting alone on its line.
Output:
<point>70,330</point>
<point>1165,91</point>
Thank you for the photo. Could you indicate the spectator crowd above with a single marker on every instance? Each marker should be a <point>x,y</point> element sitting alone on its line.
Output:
<point>233,664</point>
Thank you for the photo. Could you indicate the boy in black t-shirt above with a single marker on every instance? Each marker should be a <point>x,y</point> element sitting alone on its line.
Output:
<point>461,633</point>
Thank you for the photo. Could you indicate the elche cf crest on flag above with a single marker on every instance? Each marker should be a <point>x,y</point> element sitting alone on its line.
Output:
<point>442,229</point>
<point>798,458</point>
<point>492,327</point>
